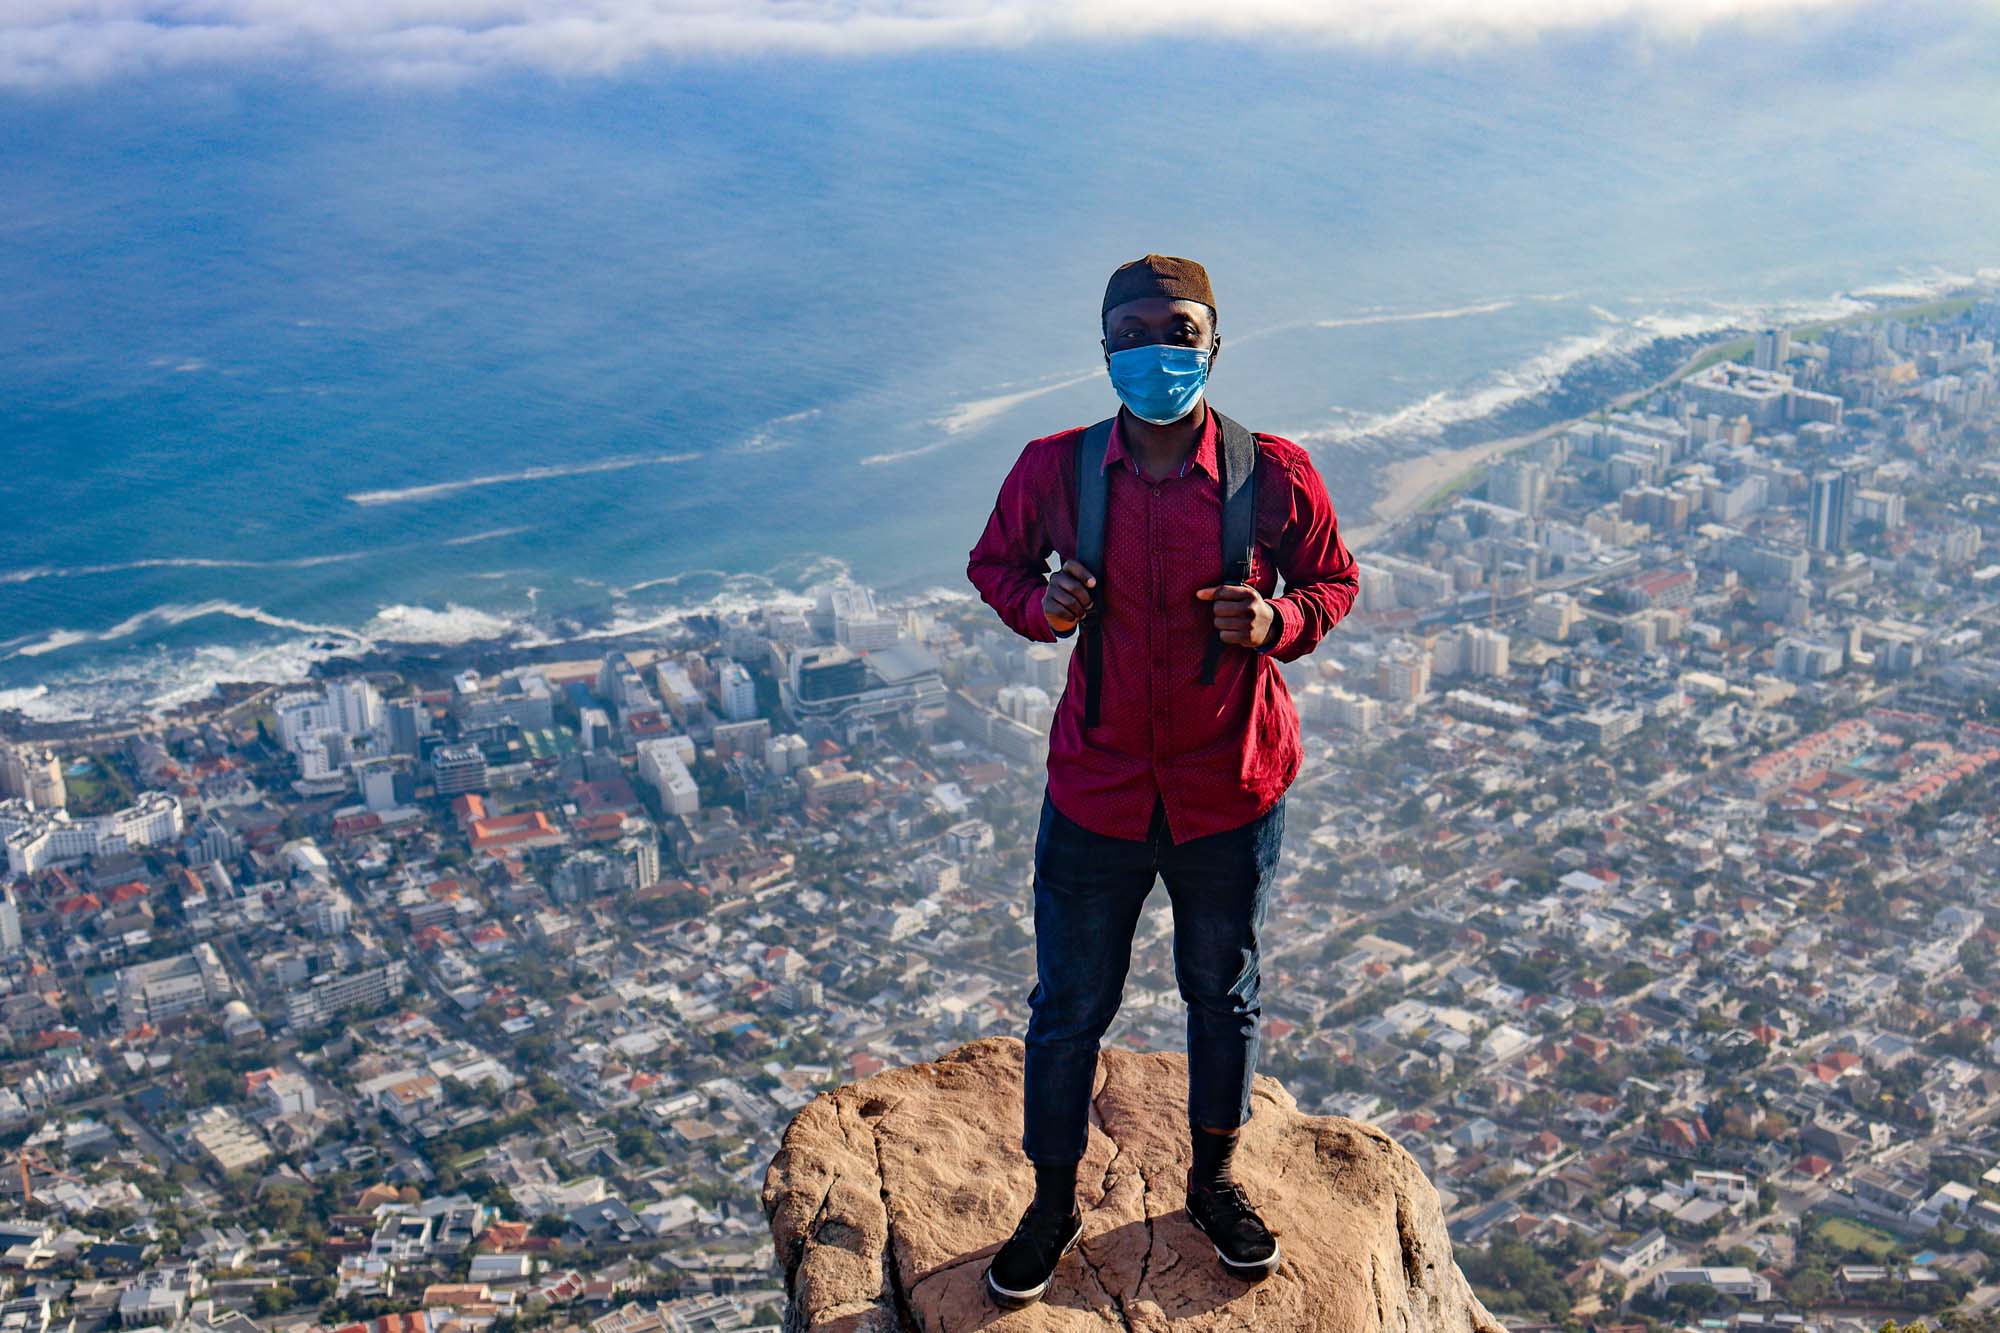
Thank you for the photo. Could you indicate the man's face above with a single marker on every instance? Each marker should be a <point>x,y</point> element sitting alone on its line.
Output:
<point>1156,319</point>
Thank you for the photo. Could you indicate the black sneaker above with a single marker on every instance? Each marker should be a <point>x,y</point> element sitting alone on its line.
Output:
<point>1240,1238</point>
<point>1020,1272</point>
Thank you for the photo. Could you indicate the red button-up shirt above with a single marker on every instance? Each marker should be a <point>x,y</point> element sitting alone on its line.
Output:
<point>1217,755</point>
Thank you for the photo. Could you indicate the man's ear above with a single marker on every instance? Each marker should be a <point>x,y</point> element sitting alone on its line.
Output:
<point>1214,349</point>
<point>1105,345</point>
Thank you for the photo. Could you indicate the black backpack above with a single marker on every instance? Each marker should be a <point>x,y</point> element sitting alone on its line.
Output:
<point>1236,461</point>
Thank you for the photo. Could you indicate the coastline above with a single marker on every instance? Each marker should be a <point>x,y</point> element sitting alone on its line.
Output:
<point>1403,487</point>
<point>1410,484</point>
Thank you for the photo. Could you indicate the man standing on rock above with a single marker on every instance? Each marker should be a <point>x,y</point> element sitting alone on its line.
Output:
<point>1175,738</point>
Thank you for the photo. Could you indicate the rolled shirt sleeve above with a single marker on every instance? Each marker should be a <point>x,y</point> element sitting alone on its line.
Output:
<point>1009,562</point>
<point>1318,569</point>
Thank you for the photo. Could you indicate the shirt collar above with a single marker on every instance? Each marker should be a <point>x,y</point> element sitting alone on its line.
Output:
<point>1202,456</point>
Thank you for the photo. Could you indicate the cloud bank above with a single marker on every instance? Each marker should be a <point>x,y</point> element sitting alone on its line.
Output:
<point>62,43</point>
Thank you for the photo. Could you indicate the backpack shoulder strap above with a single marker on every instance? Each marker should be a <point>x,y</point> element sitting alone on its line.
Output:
<point>1092,498</point>
<point>1236,460</point>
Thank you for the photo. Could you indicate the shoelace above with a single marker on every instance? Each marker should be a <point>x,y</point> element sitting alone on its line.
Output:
<point>1228,1189</point>
<point>1028,1219</point>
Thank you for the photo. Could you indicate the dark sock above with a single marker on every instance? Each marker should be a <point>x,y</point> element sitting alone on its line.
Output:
<point>1055,1187</point>
<point>1211,1157</point>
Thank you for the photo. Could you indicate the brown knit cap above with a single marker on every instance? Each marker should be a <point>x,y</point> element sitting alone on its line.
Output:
<point>1158,275</point>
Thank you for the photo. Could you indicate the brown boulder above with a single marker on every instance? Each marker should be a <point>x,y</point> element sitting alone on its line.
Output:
<point>889,1196</point>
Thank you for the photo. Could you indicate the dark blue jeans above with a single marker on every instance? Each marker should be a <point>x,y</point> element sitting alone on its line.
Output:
<point>1088,893</point>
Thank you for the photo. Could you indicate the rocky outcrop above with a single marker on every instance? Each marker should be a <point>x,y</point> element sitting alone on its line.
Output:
<point>889,1195</point>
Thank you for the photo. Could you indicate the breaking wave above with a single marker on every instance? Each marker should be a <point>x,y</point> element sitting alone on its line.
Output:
<point>435,490</point>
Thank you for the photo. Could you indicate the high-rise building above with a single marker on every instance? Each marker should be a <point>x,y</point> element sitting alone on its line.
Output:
<point>644,851</point>
<point>827,673</point>
<point>10,924</point>
<point>663,764</point>
<point>731,739</point>
<point>353,706</point>
<point>785,754</point>
<point>847,614</point>
<point>458,769</point>
<point>300,714</point>
<point>1046,665</point>
<point>1772,348</point>
<point>1485,652</point>
<point>738,692</point>
<point>1403,673</point>
<point>378,783</point>
<point>1518,484</point>
<point>593,729</point>
<point>1826,518</point>
<point>1551,615</point>
<point>331,914</point>
<point>34,774</point>
<point>38,838</point>
<point>408,720</point>
<point>1878,506</point>
<point>521,698</point>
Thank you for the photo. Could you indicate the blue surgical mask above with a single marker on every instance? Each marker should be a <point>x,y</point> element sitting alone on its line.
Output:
<point>1159,382</point>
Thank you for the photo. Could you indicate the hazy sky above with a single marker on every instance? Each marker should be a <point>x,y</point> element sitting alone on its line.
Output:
<point>59,43</point>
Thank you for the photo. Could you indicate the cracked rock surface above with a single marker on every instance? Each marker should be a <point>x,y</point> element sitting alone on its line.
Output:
<point>889,1196</point>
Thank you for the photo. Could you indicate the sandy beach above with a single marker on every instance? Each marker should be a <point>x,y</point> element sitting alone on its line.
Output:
<point>1410,484</point>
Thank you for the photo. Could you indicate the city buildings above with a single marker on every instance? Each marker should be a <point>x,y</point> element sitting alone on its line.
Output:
<point>1640,882</point>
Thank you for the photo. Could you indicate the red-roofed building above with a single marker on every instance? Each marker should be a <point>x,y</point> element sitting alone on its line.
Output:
<point>605,826</point>
<point>357,825</point>
<point>1590,1047</point>
<point>1671,587</point>
<point>1683,1135</point>
<point>530,829</point>
<point>647,724</point>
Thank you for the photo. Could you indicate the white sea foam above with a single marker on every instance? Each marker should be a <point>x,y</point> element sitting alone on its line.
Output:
<point>905,455</point>
<point>172,562</point>
<point>490,535</point>
<point>765,440</point>
<point>1410,316</point>
<point>670,580</point>
<point>34,702</point>
<point>164,617</point>
<point>148,680</point>
<point>454,624</point>
<point>975,413</point>
<point>1925,286</point>
<point>434,490</point>
<point>1430,415</point>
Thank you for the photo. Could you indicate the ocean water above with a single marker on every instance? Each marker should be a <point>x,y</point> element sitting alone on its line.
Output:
<point>293,364</point>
